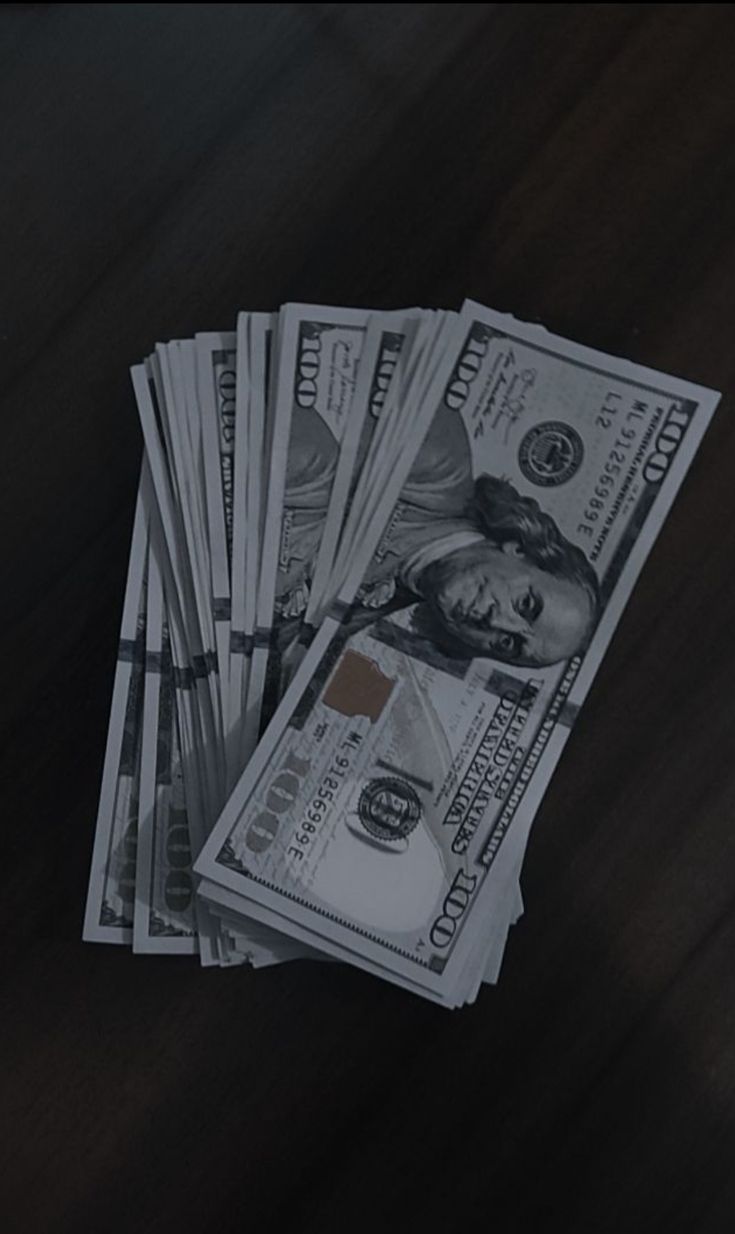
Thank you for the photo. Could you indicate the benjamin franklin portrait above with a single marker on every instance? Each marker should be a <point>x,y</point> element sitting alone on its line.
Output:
<point>488,571</point>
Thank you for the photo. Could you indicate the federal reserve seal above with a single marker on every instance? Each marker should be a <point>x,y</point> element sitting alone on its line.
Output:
<point>551,453</point>
<point>389,808</point>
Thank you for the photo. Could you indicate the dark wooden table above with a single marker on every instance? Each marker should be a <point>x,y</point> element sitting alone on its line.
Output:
<point>163,166</point>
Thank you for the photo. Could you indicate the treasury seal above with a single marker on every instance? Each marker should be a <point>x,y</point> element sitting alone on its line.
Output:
<point>550,453</point>
<point>389,808</point>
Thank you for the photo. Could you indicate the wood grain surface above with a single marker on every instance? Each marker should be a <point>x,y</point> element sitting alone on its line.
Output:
<point>162,167</point>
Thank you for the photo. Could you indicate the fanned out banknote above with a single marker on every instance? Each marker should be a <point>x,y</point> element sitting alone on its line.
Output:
<point>377,558</point>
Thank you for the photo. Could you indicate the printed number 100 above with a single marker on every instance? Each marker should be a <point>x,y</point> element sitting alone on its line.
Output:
<point>282,794</point>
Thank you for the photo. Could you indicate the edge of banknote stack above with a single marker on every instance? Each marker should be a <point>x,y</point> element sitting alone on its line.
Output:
<point>377,558</point>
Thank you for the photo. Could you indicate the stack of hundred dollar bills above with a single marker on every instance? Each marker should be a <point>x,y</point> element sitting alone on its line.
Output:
<point>376,560</point>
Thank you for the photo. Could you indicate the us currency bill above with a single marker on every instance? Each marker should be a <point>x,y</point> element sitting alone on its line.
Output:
<point>387,807</point>
<point>244,536</point>
<point>168,528</point>
<point>376,397</point>
<point>385,466</point>
<point>165,914</point>
<point>174,371</point>
<point>255,339</point>
<point>111,894</point>
<point>217,380</point>
<point>377,378</point>
<point>178,797</point>
<point>318,354</point>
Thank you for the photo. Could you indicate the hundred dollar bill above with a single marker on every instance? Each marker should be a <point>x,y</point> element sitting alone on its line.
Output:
<point>388,339</point>
<point>164,886</point>
<point>388,335</point>
<point>217,379</point>
<point>255,341</point>
<point>174,366</point>
<point>385,446</point>
<point>172,557</point>
<point>384,813</point>
<point>200,791</point>
<point>242,548</point>
<point>318,355</point>
<point>110,898</point>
